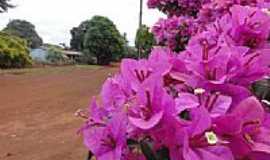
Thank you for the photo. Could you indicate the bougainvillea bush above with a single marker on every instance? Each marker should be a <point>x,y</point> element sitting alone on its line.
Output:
<point>193,104</point>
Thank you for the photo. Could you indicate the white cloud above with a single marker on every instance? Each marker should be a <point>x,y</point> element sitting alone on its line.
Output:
<point>54,18</point>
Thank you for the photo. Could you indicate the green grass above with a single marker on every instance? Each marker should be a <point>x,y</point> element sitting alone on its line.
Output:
<point>48,70</point>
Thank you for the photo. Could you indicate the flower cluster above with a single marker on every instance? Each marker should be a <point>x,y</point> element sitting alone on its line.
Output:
<point>180,25</point>
<point>217,8</point>
<point>177,7</point>
<point>195,105</point>
<point>174,32</point>
<point>238,40</point>
<point>209,8</point>
<point>190,106</point>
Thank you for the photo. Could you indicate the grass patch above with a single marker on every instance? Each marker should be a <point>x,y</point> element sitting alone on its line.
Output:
<point>48,70</point>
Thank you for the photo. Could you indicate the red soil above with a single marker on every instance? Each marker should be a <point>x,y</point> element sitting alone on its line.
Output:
<point>37,119</point>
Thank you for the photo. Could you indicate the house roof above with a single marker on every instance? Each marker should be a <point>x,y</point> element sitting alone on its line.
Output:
<point>67,52</point>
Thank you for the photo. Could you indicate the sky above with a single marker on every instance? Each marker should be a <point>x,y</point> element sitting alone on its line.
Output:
<point>55,18</point>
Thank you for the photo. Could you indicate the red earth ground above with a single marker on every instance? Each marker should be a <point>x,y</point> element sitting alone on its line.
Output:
<point>37,108</point>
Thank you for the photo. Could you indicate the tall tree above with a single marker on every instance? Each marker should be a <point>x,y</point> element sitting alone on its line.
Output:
<point>5,5</point>
<point>25,30</point>
<point>77,36</point>
<point>103,40</point>
<point>144,40</point>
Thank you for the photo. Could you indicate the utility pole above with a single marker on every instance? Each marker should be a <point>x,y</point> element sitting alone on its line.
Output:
<point>141,13</point>
<point>140,25</point>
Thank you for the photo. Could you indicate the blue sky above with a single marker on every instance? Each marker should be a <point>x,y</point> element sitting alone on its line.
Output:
<point>54,18</point>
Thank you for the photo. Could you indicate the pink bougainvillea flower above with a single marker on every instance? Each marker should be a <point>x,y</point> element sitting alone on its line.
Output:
<point>107,141</point>
<point>225,65</point>
<point>115,93</point>
<point>215,9</point>
<point>250,27</point>
<point>253,67</point>
<point>150,104</point>
<point>160,60</point>
<point>135,72</point>
<point>246,130</point>
<point>174,32</point>
<point>216,103</point>
<point>97,114</point>
<point>199,143</point>
<point>198,148</point>
<point>206,61</point>
<point>236,92</point>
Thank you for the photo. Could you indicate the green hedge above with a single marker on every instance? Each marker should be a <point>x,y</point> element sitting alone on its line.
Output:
<point>14,52</point>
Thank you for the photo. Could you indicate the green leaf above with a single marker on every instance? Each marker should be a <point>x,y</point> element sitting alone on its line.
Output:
<point>147,151</point>
<point>163,154</point>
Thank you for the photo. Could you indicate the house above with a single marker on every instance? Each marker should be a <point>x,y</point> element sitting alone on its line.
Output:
<point>39,54</point>
<point>72,55</point>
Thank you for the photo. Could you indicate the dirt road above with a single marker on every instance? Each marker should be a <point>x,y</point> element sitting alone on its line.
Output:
<point>37,111</point>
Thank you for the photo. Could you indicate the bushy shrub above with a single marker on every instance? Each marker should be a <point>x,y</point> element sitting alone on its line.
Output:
<point>13,52</point>
<point>55,56</point>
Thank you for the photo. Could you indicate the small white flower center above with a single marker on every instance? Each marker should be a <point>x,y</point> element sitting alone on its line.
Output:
<point>265,10</point>
<point>211,138</point>
<point>199,91</point>
<point>266,102</point>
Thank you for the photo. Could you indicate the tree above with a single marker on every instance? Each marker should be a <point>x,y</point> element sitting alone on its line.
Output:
<point>144,40</point>
<point>56,56</point>
<point>103,40</point>
<point>14,52</point>
<point>5,5</point>
<point>77,36</point>
<point>25,30</point>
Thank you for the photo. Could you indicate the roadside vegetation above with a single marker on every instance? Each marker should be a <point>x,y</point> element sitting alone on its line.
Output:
<point>95,41</point>
<point>14,52</point>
